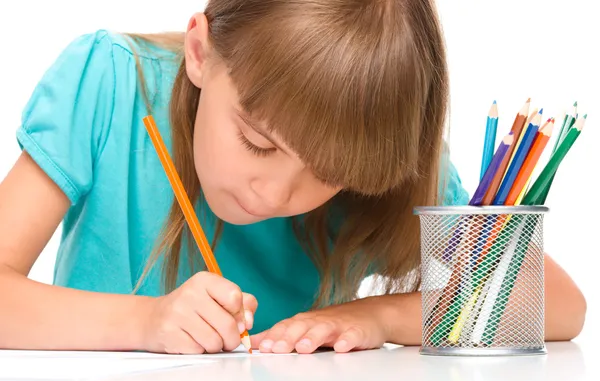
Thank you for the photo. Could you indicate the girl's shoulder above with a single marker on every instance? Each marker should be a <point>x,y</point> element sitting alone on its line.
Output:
<point>88,94</point>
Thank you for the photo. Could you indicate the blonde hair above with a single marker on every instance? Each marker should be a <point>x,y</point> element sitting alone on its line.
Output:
<point>359,89</point>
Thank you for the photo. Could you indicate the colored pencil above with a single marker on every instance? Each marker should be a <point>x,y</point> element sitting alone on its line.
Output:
<point>496,281</point>
<point>485,182</point>
<point>543,181</point>
<point>516,129</point>
<point>529,119</point>
<point>518,160</point>
<point>186,206</point>
<point>490,138</point>
<point>566,126</point>
<point>528,166</point>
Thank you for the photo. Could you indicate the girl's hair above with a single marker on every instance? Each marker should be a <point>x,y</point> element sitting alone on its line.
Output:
<point>359,89</point>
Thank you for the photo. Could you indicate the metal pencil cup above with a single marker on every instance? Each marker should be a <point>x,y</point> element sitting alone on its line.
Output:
<point>482,280</point>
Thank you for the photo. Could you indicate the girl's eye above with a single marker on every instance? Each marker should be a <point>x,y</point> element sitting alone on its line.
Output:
<point>258,151</point>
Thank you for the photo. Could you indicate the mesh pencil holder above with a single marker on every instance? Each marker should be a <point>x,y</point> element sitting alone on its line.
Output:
<point>482,280</point>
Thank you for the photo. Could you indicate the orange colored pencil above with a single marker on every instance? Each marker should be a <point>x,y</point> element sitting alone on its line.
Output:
<point>516,129</point>
<point>541,140</point>
<point>186,206</point>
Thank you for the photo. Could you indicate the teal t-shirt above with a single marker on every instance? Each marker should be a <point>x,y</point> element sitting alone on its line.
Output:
<point>83,126</point>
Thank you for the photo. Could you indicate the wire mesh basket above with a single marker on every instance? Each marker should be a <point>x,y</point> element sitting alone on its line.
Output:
<point>482,280</point>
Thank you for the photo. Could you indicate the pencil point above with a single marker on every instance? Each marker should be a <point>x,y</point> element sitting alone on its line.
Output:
<point>585,116</point>
<point>575,104</point>
<point>494,101</point>
<point>541,111</point>
<point>528,100</point>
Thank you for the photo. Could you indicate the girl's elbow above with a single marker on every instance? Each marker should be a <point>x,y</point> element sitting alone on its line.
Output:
<point>579,312</point>
<point>569,323</point>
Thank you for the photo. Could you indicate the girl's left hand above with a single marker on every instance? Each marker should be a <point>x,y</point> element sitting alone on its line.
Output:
<point>350,326</point>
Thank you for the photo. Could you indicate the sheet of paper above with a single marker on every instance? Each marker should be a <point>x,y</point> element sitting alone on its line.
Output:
<point>95,365</point>
<point>238,352</point>
<point>82,368</point>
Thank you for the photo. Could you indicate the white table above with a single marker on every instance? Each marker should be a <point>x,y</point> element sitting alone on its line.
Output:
<point>565,361</point>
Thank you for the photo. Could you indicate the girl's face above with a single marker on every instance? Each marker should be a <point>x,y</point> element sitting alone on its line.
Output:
<point>247,174</point>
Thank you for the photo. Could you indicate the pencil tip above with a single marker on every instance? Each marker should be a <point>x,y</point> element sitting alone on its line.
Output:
<point>575,104</point>
<point>528,100</point>
<point>585,116</point>
<point>494,102</point>
<point>541,111</point>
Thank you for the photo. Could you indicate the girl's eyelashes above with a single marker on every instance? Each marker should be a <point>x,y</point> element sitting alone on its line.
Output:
<point>258,151</point>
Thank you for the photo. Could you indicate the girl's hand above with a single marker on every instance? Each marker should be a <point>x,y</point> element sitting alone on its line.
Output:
<point>355,325</point>
<point>205,314</point>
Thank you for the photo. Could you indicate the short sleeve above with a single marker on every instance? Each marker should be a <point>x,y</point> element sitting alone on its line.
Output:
<point>66,120</point>
<point>451,188</point>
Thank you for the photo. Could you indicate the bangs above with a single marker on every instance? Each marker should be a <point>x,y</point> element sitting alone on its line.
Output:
<point>348,97</point>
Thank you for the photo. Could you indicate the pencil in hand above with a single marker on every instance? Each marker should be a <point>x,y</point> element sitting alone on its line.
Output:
<point>186,207</point>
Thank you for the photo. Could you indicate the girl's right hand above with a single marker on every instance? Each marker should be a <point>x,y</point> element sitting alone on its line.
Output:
<point>205,314</point>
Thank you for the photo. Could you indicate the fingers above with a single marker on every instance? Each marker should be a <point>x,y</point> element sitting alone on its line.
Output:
<point>226,325</point>
<point>224,292</point>
<point>352,338</point>
<point>250,305</point>
<point>183,344</point>
<point>201,333</point>
<point>292,334</point>
<point>272,335</point>
<point>255,340</point>
<point>229,298</point>
<point>316,337</point>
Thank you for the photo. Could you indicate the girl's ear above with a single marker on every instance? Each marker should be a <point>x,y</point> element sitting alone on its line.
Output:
<point>196,49</point>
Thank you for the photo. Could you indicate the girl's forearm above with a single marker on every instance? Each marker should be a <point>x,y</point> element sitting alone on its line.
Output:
<point>565,309</point>
<point>39,316</point>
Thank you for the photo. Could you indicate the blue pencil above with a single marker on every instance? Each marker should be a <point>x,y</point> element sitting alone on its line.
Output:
<point>490,139</point>
<point>485,182</point>
<point>519,158</point>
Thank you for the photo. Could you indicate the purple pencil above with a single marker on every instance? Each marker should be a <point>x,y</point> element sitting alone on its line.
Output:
<point>485,182</point>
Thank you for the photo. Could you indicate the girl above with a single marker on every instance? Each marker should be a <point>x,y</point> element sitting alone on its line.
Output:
<point>304,131</point>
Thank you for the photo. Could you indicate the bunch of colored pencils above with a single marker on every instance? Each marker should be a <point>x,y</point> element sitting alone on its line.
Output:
<point>496,258</point>
<point>505,175</point>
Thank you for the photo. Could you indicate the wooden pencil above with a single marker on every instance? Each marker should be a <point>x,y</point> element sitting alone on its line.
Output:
<point>516,129</point>
<point>490,138</point>
<point>519,157</point>
<point>542,183</point>
<point>485,182</point>
<point>186,206</point>
<point>530,162</point>
<point>566,126</point>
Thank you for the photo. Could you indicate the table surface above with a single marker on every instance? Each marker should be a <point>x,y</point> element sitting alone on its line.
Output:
<point>563,361</point>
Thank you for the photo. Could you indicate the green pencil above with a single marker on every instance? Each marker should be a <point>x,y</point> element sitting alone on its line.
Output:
<point>543,182</point>
<point>566,126</point>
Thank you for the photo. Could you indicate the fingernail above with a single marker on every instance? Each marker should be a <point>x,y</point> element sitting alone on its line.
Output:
<point>249,319</point>
<point>305,343</point>
<point>241,326</point>
<point>266,344</point>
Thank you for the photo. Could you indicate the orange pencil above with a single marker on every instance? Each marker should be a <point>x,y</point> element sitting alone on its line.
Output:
<point>186,206</point>
<point>531,160</point>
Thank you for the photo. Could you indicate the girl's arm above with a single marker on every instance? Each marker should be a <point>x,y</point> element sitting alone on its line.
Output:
<point>564,313</point>
<point>39,316</point>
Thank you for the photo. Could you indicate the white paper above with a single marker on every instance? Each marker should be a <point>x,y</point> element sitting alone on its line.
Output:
<point>95,365</point>
<point>82,368</point>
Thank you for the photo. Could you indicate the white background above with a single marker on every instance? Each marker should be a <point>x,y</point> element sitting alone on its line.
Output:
<point>507,51</point>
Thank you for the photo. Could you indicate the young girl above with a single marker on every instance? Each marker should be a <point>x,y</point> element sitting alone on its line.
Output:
<point>304,131</point>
